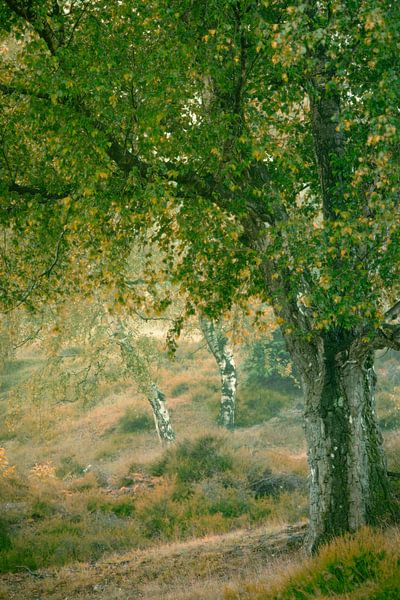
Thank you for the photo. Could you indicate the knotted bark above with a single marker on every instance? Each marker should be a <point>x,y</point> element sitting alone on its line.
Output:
<point>349,485</point>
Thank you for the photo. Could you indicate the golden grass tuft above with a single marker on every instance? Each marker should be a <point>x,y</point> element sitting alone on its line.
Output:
<point>360,566</point>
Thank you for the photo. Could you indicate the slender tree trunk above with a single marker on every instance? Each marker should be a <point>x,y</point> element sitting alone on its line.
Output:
<point>218,345</point>
<point>161,415</point>
<point>136,363</point>
<point>348,477</point>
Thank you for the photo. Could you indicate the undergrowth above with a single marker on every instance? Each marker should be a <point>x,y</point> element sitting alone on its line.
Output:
<point>366,565</point>
<point>197,488</point>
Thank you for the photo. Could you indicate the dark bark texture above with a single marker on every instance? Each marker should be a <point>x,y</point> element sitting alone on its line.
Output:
<point>349,486</point>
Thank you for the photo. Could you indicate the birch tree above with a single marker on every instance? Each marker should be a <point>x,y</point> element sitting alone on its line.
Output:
<point>137,364</point>
<point>83,345</point>
<point>219,347</point>
<point>258,143</point>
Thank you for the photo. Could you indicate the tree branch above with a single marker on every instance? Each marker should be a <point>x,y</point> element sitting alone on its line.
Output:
<point>46,273</point>
<point>387,336</point>
<point>394,312</point>
<point>115,150</point>
<point>24,9</point>
<point>27,190</point>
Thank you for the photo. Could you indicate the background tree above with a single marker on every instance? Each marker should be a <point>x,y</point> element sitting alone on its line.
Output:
<point>219,347</point>
<point>274,124</point>
<point>85,345</point>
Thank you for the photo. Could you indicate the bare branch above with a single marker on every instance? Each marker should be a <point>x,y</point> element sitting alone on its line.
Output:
<point>145,318</point>
<point>31,337</point>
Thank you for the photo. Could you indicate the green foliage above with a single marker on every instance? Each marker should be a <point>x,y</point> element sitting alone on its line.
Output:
<point>134,422</point>
<point>123,508</point>
<point>209,506</point>
<point>42,509</point>
<point>364,566</point>
<point>339,576</point>
<point>257,404</point>
<point>5,540</point>
<point>60,541</point>
<point>253,66</point>
<point>179,389</point>
<point>255,142</point>
<point>194,460</point>
<point>120,508</point>
<point>68,467</point>
<point>268,363</point>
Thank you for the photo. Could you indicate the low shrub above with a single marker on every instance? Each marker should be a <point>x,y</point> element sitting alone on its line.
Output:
<point>274,484</point>
<point>69,467</point>
<point>5,540</point>
<point>191,461</point>
<point>366,565</point>
<point>391,421</point>
<point>179,389</point>
<point>42,509</point>
<point>257,404</point>
<point>165,515</point>
<point>106,525</point>
<point>120,508</point>
<point>133,422</point>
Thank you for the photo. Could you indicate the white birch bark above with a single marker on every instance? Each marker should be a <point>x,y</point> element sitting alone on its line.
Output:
<point>218,345</point>
<point>136,364</point>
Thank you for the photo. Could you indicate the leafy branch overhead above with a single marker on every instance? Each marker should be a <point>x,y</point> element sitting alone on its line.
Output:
<point>113,102</point>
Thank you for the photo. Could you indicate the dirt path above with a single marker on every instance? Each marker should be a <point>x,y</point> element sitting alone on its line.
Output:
<point>195,569</point>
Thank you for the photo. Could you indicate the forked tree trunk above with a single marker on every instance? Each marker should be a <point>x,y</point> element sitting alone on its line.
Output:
<point>218,345</point>
<point>161,415</point>
<point>348,477</point>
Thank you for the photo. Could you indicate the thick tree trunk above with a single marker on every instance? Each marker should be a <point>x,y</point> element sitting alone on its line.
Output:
<point>161,415</point>
<point>348,478</point>
<point>218,345</point>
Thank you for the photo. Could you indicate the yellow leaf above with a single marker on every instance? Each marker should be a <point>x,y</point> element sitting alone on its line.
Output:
<point>257,154</point>
<point>113,100</point>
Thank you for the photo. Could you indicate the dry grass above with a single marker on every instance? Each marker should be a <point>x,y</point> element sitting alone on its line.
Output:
<point>355,567</point>
<point>200,568</point>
